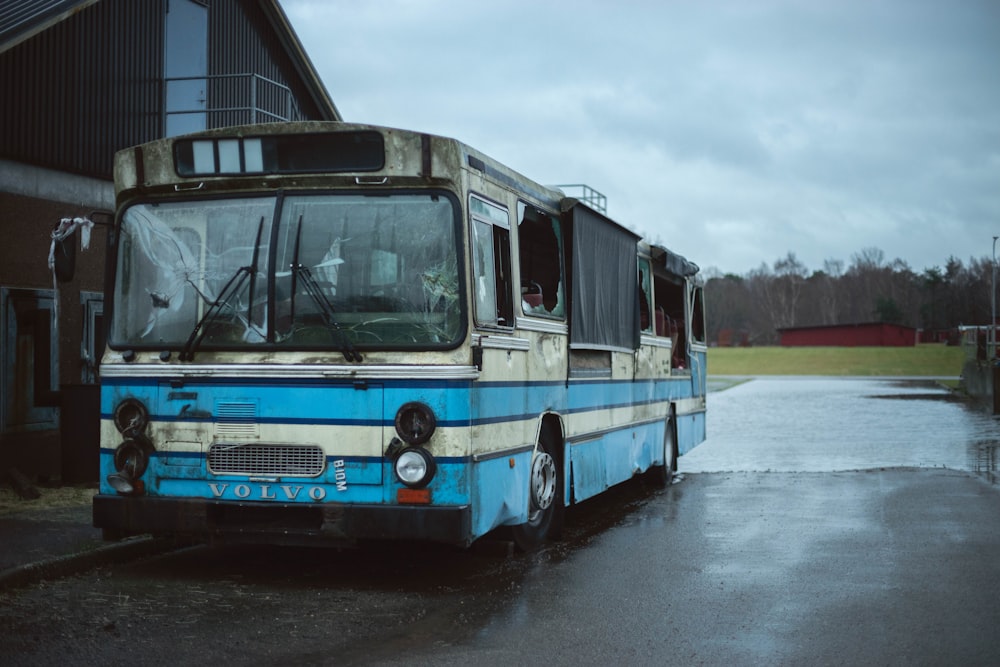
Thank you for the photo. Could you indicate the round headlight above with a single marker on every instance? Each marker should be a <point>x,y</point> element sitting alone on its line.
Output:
<point>415,467</point>
<point>132,458</point>
<point>131,417</point>
<point>415,423</point>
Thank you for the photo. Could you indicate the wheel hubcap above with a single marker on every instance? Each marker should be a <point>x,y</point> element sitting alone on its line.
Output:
<point>543,481</point>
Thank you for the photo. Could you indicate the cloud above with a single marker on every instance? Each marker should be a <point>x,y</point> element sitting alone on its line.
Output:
<point>735,132</point>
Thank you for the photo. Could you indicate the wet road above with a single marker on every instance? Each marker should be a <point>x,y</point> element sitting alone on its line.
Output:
<point>846,522</point>
<point>765,569</point>
<point>870,541</point>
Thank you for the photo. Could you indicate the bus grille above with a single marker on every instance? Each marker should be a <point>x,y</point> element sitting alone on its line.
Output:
<point>256,459</point>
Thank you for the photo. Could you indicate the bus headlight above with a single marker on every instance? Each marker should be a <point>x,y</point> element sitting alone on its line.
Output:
<point>131,461</point>
<point>415,423</point>
<point>415,467</point>
<point>131,417</point>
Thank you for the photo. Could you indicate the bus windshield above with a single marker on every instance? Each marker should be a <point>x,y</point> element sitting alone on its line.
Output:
<point>293,272</point>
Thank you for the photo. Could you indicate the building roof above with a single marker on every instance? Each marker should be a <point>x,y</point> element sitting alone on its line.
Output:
<point>22,19</point>
<point>303,64</point>
<point>851,325</point>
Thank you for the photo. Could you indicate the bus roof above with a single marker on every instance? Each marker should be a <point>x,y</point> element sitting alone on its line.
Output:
<point>672,263</point>
<point>156,163</point>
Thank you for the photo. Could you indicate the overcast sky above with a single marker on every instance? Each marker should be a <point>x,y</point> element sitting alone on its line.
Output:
<point>732,132</point>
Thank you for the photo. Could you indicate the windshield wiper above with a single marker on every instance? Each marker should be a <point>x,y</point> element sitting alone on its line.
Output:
<point>253,276</point>
<point>232,287</point>
<point>198,333</point>
<point>316,294</point>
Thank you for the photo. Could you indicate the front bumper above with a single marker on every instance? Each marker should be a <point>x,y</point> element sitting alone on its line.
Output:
<point>281,522</point>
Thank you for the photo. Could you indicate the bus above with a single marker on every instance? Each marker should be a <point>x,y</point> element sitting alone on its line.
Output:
<point>322,331</point>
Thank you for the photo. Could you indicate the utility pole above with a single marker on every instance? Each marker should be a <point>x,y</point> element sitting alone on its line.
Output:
<point>991,340</point>
<point>993,303</point>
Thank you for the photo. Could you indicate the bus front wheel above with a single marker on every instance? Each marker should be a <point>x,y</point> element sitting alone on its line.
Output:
<point>663,475</point>
<point>545,497</point>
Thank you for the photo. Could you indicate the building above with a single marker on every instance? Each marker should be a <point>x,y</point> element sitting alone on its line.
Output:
<point>83,79</point>
<point>733,338</point>
<point>872,334</point>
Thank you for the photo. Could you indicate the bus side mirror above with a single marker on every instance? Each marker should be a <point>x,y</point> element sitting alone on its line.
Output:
<point>62,252</point>
<point>64,257</point>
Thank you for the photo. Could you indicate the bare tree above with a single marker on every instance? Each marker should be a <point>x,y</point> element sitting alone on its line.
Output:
<point>779,291</point>
<point>785,295</point>
<point>833,271</point>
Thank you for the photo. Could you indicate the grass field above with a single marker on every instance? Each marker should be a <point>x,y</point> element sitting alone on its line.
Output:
<point>922,360</point>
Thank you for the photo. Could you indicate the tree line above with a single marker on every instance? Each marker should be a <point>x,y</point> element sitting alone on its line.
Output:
<point>750,309</point>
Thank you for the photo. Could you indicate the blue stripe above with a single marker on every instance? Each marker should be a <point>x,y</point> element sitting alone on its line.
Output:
<point>223,380</point>
<point>457,404</point>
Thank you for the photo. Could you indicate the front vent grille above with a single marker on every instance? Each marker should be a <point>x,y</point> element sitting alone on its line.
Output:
<point>236,421</point>
<point>266,460</point>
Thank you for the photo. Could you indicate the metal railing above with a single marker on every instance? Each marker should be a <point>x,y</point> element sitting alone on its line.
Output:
<point>267,101</point>
<point>979,342</point>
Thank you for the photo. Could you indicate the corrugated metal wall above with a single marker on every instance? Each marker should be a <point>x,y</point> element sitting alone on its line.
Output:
<point>127,52</point>
<point>84,88</point>
<point>92,84</point>
<point>242,41</point>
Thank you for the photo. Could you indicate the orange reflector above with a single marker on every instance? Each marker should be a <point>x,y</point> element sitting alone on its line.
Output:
<point>413,496</point>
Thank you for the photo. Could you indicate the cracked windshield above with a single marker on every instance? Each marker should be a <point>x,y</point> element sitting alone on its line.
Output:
<point>341,270</point>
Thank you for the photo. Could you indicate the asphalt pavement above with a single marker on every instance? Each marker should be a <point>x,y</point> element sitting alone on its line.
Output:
<point>884,566</point>
<point>54,536</point>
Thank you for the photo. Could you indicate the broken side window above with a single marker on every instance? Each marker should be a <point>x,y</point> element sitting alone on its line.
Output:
<point>698,314</point>
<point>669,302</point>
<point>646,312</point>
<point>540,243</point>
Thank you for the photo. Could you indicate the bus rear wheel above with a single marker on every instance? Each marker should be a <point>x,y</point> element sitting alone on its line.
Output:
<point>545,490</point>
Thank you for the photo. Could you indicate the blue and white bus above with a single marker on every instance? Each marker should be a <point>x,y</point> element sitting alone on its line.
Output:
<point>330,331</point>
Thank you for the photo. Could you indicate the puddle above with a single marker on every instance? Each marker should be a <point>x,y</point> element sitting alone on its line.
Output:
<point>840,424</point>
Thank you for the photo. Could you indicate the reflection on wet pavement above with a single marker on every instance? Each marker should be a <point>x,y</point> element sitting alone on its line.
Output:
<point>831,424</point>
<point>985,460</point>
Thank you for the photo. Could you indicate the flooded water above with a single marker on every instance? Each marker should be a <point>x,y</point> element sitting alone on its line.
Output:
<point>806,424</point>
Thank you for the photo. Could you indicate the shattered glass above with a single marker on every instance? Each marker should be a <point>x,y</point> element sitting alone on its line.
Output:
<point>304,271</point>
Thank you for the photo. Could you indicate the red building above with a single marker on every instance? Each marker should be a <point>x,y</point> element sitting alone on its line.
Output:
<point>872,334</point>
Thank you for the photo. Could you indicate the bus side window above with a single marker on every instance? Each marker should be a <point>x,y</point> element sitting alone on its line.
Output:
<point>646,319</point>
<point>491,263</point>
<point>540,248</point>
<point>698,315</point>
<point>669,304</point>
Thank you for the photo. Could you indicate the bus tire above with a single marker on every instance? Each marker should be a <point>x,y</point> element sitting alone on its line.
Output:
<point>663,475</point>
<point>545,493</point>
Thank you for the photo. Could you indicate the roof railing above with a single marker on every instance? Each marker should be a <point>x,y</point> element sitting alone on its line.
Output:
<point>587,195</point>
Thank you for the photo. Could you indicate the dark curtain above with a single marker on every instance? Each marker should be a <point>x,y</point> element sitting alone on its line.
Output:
<point>604,312</point>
